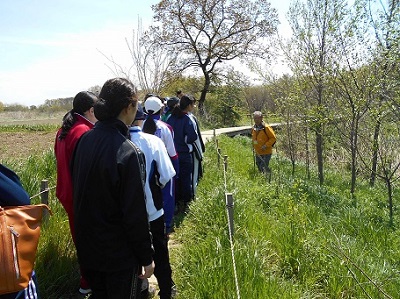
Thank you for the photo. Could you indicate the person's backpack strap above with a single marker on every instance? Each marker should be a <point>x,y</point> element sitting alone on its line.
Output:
<point>272,133</point>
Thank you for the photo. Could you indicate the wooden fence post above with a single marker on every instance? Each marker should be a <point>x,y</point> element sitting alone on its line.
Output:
<point>44,195</point>
<point>225,162</point>
<point>219,156</point>
<point>229,208</point>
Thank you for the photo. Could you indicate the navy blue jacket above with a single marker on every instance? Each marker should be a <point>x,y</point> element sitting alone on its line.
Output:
<point>13,194</point>
<point>11,191</point>
<point>184,133</point>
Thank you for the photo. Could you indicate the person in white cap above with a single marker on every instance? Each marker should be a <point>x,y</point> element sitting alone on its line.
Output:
<point>153,125</point>
<point>159,171</point>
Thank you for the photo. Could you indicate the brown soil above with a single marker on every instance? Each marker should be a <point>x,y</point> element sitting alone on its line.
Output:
<point>20,145</point>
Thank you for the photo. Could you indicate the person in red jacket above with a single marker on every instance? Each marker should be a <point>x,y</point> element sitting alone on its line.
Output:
<point>75,123</point>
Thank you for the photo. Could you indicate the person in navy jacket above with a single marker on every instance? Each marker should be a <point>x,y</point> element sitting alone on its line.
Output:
<point>185,136</point>
<point>13,194</point>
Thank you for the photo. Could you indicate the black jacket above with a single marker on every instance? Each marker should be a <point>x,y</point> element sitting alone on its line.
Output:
<point>111,225</point>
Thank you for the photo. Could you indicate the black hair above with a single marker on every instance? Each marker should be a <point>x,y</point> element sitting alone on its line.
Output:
<point>115,95</point>
<point>150,125</point>
<point>148,95</point>
<point>82,102</point>
<point>185,101</point>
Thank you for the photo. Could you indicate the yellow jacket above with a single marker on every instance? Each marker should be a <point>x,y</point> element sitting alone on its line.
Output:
<point>263,138</point>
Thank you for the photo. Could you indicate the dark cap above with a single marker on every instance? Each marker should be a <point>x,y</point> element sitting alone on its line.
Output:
<point>171,102</point>
<point>140,115</point>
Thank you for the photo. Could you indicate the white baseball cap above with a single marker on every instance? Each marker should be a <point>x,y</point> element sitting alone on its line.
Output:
<point>153,103</point>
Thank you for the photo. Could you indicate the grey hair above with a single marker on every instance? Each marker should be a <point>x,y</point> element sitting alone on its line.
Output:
<point>257,113</point>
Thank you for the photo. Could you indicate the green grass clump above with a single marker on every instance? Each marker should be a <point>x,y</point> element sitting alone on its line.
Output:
<point>56,263</point>
<point>29,128</point>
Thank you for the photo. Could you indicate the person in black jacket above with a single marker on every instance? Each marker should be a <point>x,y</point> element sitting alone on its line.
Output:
<point>113,240</point>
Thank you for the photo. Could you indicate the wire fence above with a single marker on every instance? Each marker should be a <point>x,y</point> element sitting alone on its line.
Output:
<point>229,210</point>
<point>44,195</point>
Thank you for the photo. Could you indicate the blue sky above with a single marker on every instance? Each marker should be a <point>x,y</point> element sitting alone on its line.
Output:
<point>52,49</point>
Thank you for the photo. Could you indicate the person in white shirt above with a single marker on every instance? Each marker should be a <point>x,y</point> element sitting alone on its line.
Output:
<point>159,171</point>
<point>155,126</point>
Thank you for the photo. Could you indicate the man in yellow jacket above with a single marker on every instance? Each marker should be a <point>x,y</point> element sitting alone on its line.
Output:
<point>263,138</point>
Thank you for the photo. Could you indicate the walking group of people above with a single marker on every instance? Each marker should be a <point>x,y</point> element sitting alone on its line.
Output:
<point>123,168</point>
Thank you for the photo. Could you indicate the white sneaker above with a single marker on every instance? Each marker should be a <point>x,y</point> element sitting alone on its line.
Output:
<point>145,284</point>
<point>147,288</point>
<point>174,291</point>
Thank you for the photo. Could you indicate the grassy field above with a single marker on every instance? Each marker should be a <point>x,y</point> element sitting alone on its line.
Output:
<point>292,238</point>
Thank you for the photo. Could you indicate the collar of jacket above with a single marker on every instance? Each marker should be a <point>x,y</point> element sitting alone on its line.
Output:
<point>155,116</point>
<point>114,123</point>
<point>260,127</point>
<point>135,129</point>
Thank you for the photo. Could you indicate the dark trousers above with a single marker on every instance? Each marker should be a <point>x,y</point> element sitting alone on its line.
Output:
<point>262,162</point>
<point>162,270</point>
<point>168,194</point>
<point>184,188</point>
<point>122,284</point>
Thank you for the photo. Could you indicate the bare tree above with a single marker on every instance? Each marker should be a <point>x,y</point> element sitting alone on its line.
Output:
<point>209,32</point>
<point>151,64</point>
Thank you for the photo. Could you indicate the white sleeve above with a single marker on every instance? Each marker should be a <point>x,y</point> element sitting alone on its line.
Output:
<point>164,164</point>
<point>168,140</point>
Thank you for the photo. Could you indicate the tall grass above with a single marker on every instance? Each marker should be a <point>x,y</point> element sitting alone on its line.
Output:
<point>292,238</point>
<point>56,264</point>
